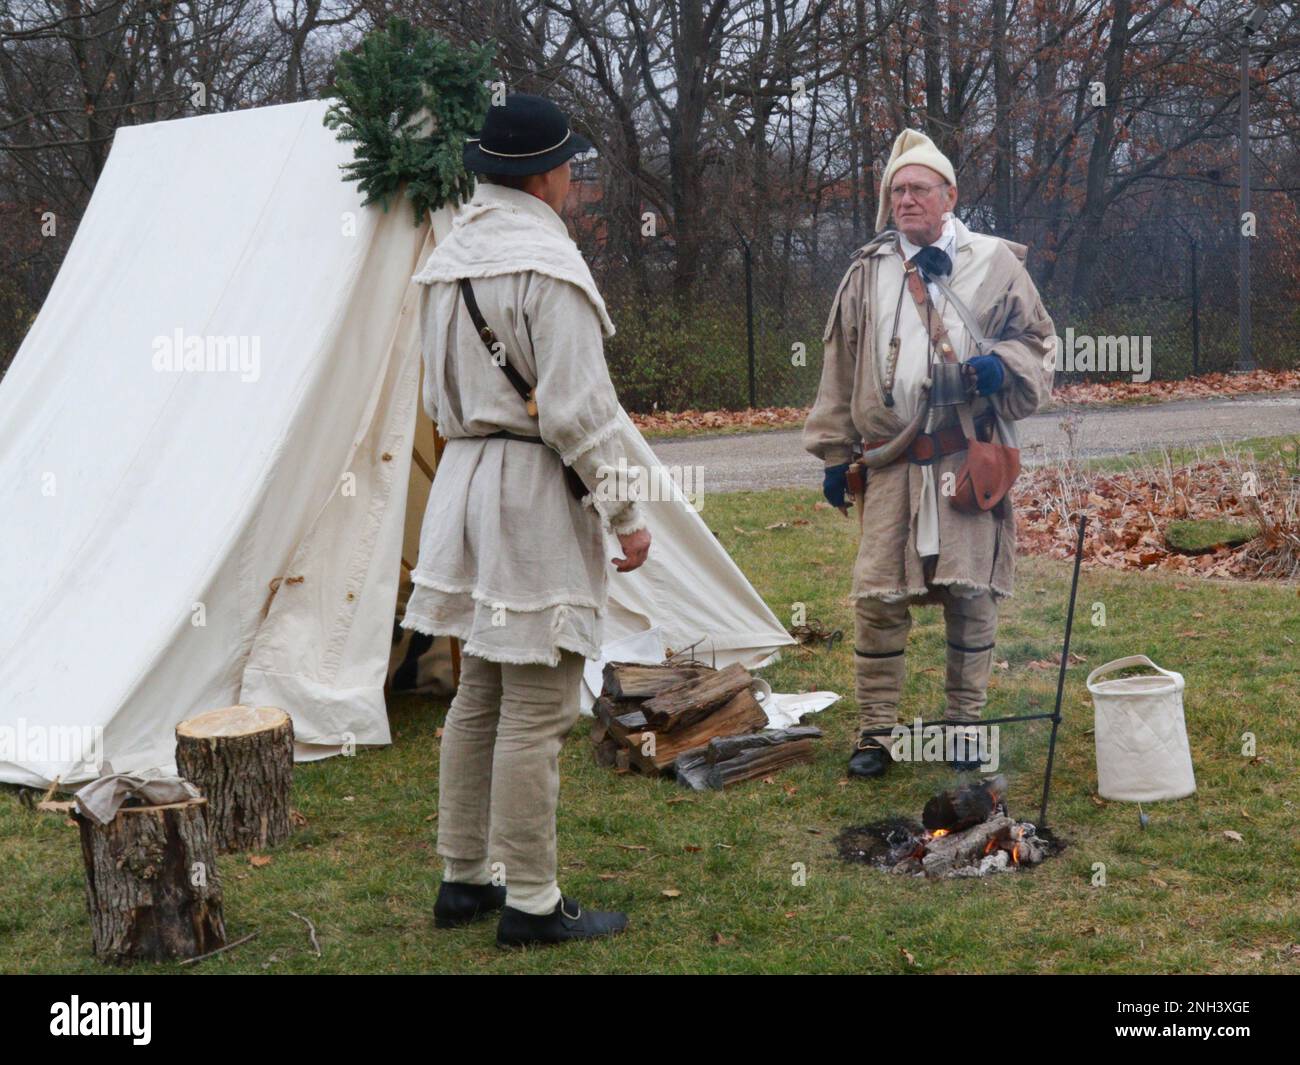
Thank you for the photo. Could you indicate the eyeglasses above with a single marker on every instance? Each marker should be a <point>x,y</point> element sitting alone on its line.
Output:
<point>919,192</point>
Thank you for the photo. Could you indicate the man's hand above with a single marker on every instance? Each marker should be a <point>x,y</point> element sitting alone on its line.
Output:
<point>635,545</point>
<point>835,482</point>
<point>984,374</point>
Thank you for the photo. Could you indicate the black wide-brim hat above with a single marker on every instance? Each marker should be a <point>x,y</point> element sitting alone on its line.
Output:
<point>525,135</point>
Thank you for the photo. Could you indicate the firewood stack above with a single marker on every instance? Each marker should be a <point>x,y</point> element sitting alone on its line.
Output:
<point>700,724</point>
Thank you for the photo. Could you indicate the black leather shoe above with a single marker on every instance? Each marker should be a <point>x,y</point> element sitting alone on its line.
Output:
<point>869,759</point>
<point>567,921</point>
<point>459,904</point>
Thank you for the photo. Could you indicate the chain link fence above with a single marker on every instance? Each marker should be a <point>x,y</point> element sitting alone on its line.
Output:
<point>750,333</point>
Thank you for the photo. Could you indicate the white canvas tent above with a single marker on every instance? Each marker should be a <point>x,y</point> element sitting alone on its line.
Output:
<point>178,538</point>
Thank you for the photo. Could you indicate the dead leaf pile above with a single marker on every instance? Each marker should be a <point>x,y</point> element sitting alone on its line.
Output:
<point>1205,386</point>
<point>1129,512</point>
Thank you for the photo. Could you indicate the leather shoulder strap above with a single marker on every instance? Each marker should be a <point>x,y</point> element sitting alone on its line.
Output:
<point>921,297</point>
<point>489,339</point>
<point>967,316</point>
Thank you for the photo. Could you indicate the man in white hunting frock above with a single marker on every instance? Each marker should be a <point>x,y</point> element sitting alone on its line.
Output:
<point>512,550</point>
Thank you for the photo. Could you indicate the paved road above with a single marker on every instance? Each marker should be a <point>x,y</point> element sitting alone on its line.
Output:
<point>737,461</point>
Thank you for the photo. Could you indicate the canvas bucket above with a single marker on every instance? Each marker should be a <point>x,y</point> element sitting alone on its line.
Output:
<point>1142,750</point>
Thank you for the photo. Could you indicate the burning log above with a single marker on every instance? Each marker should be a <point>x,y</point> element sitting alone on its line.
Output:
<point>945,853</point>
<point>958,809</point>
<point>687,703</point>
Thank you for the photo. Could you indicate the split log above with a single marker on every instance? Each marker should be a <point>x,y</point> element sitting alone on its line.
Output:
<point>151,883</point>
<point>603,748</point>
<point>759,762</point>
<point>944,854</point>
<point>724,748</point>
<point>687,703</point>
<point>635,680</point>
<point>605,753</point>
<point>241,758</point>
<point>692,770</point>
<point>617,720</point>
<point>741,714</point>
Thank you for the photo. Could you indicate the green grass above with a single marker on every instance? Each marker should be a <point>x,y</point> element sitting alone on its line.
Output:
<point>1263,450</point>
<point>1180,896</point>
<point>1202,535</point>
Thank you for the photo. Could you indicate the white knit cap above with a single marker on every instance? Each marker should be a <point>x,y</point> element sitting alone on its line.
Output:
<point>912,147</point>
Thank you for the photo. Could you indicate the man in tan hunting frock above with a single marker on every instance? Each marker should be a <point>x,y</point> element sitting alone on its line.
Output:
<point>928,291</point>
<point>512,551</point>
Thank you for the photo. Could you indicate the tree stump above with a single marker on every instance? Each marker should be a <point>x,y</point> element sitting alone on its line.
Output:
<point>151,883</point>
<point>241,758</point>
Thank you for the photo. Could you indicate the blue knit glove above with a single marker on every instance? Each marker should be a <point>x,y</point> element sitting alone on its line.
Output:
<point>989,373</point>
<point>834,484</point>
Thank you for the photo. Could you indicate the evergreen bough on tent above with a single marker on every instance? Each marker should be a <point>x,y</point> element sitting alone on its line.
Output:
<point>387,92</point>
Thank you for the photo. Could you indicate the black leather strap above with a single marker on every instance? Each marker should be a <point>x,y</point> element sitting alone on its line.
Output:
<point>506,434</point>
<point>876,654</point>
<point>577,488</point>
<point>489,339</point>
<point>970,650</point>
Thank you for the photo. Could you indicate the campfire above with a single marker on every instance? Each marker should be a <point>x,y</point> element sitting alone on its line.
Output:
<point>964,832</point>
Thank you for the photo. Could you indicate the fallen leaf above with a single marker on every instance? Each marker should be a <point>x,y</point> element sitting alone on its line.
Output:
<point>631,846</point>
<point>257,861</point>
<point>692,848</point>
<point>1236,837</point>
<point>719,940</point>
<point>670,893</point>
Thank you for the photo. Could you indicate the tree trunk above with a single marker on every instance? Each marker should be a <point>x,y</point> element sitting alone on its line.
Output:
<point>151,883</point>
<point>1003,223</point>
<point>241,758</point>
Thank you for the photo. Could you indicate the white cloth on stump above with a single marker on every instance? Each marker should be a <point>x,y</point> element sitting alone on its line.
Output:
<point>510,563</point>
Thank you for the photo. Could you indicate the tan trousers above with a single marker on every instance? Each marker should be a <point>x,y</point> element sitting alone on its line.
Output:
<point>881,631</point>
<point>499,777</point>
